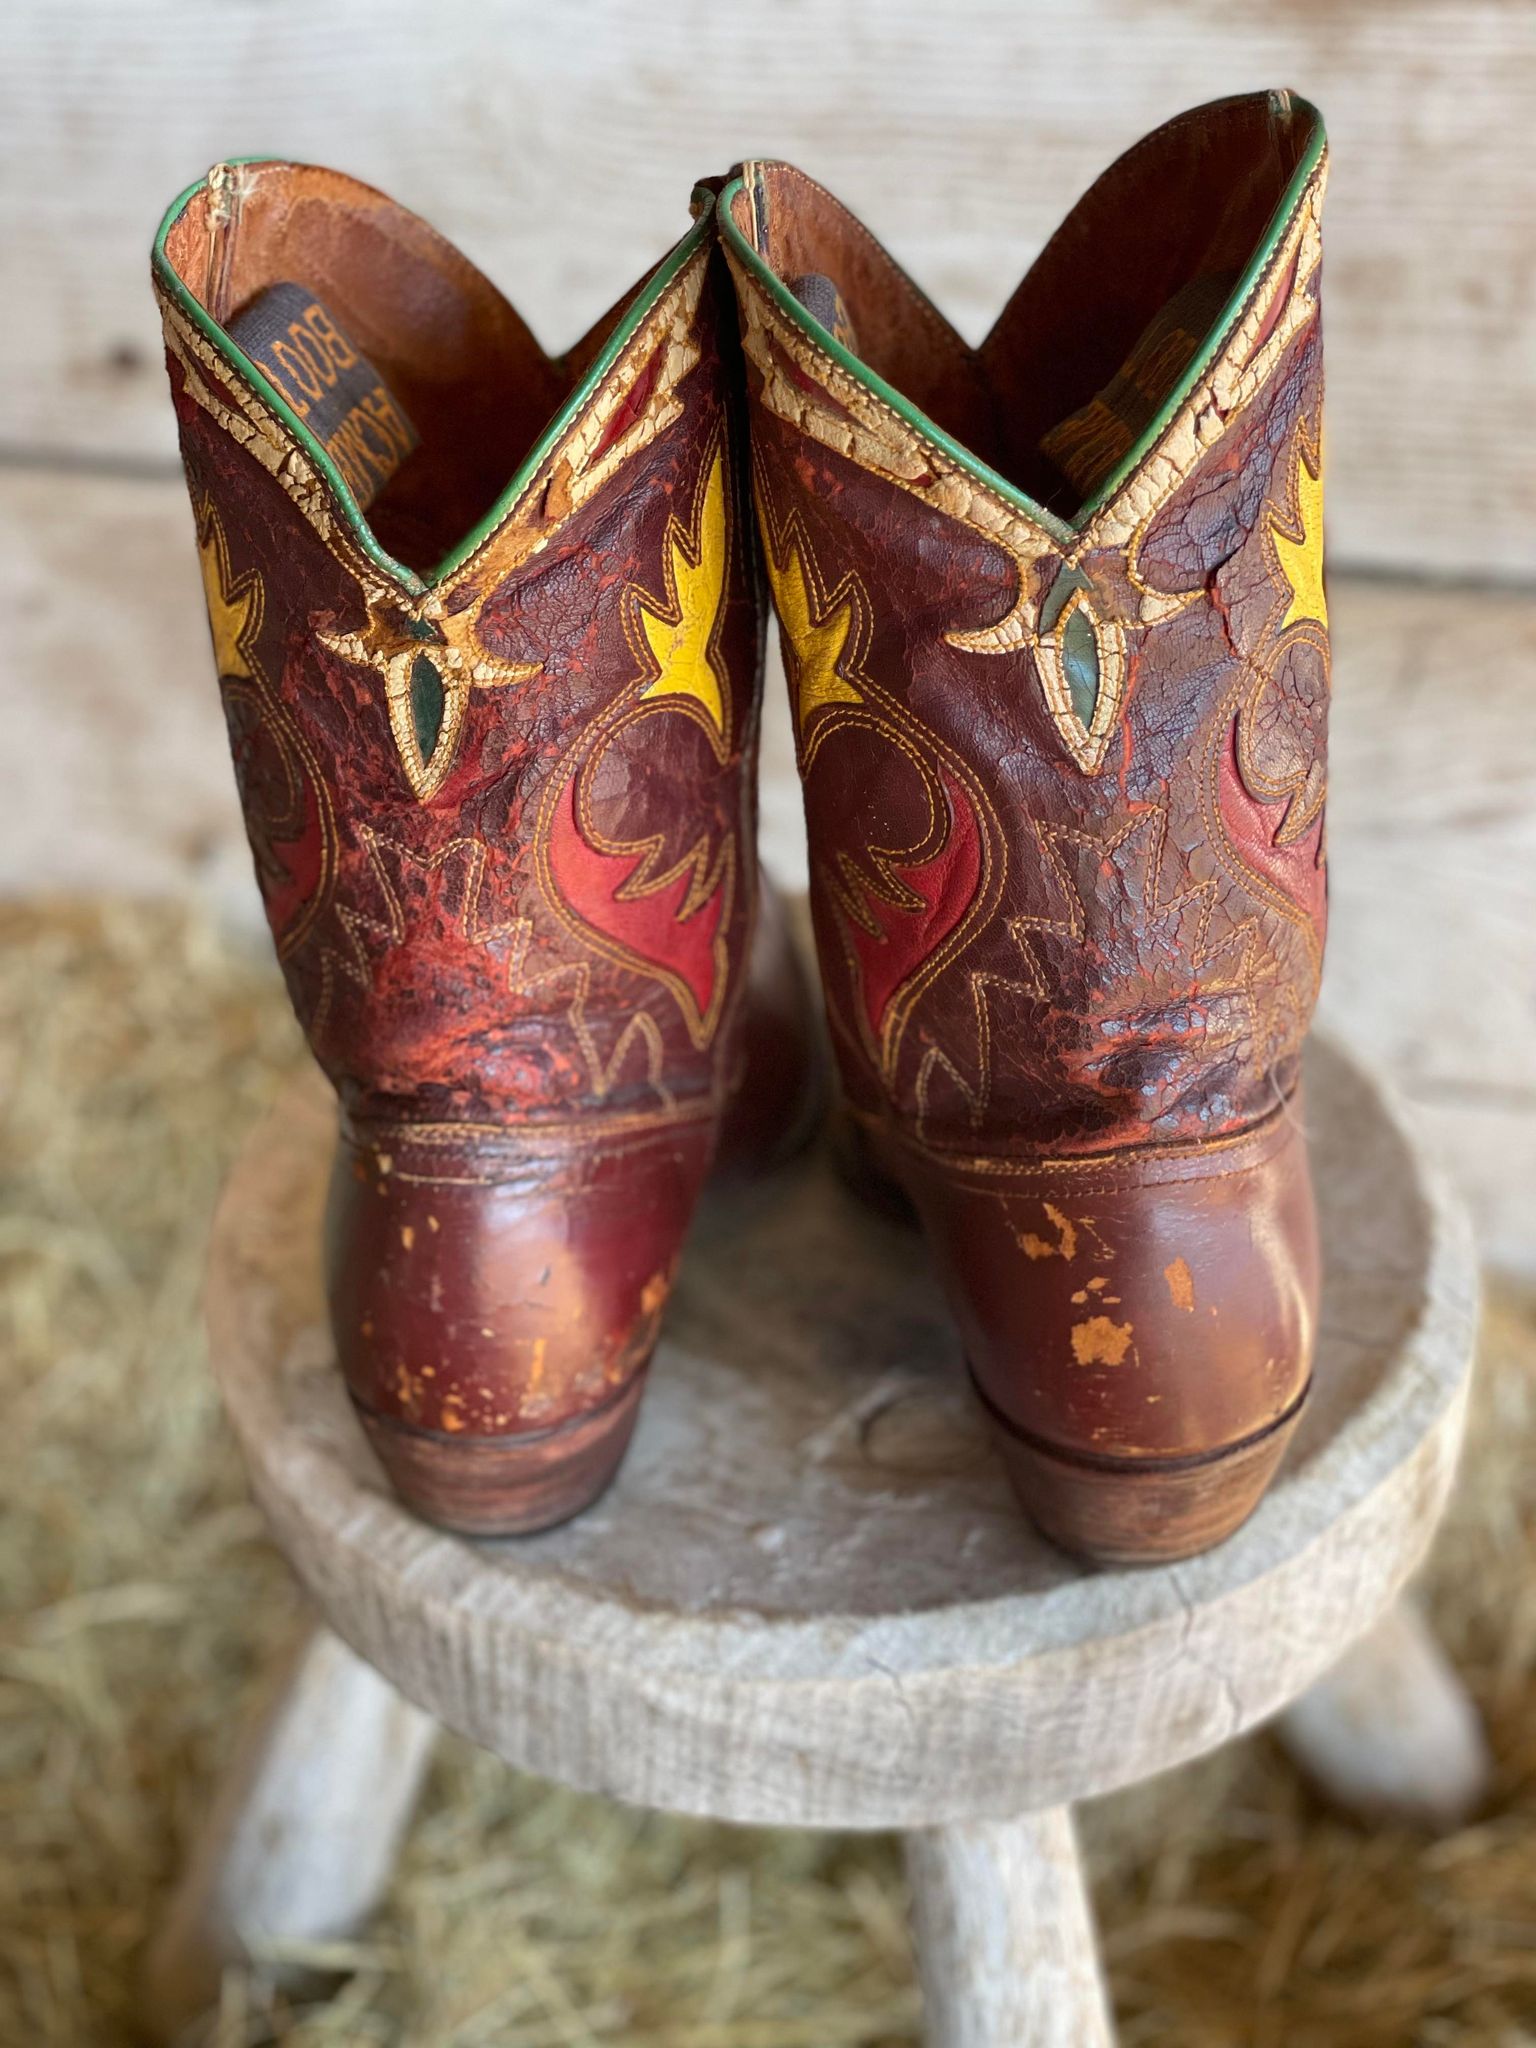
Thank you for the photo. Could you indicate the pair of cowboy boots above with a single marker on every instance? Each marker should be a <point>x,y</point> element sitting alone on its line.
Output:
<point>489,634</point>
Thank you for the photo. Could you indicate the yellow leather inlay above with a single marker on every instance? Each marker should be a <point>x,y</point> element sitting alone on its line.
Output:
<point>1301,561</point>
<point>815,646</point>
<point>234,611</point>
<point>678,633</point>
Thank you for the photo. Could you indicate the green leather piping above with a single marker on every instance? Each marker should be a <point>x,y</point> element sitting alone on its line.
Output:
<point>413,583</point>
<point>1066,530</point>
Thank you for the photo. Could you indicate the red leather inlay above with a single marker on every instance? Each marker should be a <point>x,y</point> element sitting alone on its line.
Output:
<point>1296,868</point>
<point>652,924</point>
<point>946,884</point>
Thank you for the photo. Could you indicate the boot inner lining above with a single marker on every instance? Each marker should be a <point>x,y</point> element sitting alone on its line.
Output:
<point>454,355</point>
<point>1106,324</point>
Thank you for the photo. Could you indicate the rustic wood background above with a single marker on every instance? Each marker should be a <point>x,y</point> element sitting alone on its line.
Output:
<point>557,145</point>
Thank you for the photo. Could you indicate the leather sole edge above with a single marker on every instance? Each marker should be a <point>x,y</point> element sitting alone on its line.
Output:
<point>505,1485</point>
<point>1122,1511</point>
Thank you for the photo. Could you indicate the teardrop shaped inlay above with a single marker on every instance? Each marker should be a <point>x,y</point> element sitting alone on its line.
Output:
<point>1080,659</point>
<point>427,705</point>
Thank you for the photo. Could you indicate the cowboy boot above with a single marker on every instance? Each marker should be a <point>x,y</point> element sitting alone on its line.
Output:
<point>1057,646</point>
<point>488,641</point>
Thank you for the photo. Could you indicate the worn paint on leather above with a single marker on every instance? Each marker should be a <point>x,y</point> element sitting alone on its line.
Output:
<point>503,824</point>
<point>1058,954</point>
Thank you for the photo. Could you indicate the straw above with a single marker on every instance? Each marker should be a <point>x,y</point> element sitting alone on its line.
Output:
<point>139,1601</point>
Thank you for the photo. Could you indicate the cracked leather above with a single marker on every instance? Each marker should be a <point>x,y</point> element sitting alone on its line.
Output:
<point>1070,948</point>
<point>502,813</point>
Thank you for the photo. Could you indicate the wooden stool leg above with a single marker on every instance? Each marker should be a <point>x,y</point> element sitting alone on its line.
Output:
<point>1004,1933</point>
<point>1391,1733</point>
<point>300,1842</point>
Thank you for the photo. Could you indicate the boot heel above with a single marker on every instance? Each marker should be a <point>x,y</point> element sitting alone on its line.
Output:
<point>506,1485</point>
<point>1119,1512</point>
<point>494,1307</point>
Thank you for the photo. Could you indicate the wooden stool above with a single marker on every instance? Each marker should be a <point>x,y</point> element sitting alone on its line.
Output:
<point>810,1600</point>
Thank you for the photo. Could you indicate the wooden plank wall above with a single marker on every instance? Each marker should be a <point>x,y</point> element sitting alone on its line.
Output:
<point>558,143</point>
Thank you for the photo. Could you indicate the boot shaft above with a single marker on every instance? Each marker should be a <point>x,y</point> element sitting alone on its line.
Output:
<point>1057,642</point>
<point>487,639</point>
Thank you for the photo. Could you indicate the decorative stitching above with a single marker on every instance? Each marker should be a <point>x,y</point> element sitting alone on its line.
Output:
<point>400,627</point>
<point>1241,944</point>
<point>982,983</point>
<point>357,963</point>
<point>1227,857</point>
<point>790,561</point>
<point>1117,1170</point>
<point>641,1025</point>
<point>877,711</point>
<point>865,430</point>
<point>638,1123</point>
<point>709,873</point>
<point>222,587</point>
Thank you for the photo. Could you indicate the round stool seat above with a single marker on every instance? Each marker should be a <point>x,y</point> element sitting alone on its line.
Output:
<point>810,1598</point>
